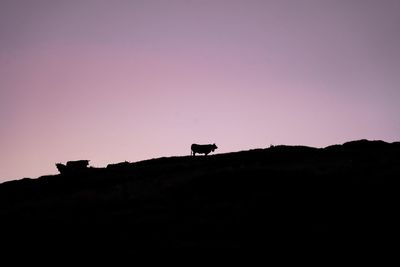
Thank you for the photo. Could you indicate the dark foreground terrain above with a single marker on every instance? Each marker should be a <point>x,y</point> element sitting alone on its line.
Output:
<point>281,195</point>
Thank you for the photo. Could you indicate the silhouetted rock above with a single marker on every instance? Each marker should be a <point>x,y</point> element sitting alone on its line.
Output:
<point>366,144</point>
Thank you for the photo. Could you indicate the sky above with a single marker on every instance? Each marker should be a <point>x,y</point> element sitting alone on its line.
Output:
<point>112,81</point>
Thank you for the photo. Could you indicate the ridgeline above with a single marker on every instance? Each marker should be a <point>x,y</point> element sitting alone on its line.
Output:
<point>256,198</point>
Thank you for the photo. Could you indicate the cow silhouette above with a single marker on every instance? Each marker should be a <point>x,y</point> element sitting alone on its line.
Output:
<point>72,166</point>
<point>202,149</point>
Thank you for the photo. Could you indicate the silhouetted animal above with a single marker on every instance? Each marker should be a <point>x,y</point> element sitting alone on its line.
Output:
<point>72,166</point>
<point>61,167</point>
<point>202,149</point>
<point>78,164</point>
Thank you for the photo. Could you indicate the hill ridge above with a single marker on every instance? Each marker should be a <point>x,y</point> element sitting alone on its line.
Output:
<point>361,143</point>
<point>231,199</point>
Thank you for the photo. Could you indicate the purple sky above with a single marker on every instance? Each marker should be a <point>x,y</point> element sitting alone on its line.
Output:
<point>113,80</point>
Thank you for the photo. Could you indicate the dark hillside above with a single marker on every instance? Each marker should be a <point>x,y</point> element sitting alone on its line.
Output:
<point>342,193</point>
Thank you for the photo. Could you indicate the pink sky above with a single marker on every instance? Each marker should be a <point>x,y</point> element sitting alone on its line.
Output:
<point>111,81</point>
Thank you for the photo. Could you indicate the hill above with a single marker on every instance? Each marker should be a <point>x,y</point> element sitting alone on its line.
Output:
<point>262,197</point>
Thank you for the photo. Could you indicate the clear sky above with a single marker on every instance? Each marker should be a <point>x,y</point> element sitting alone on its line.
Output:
<point>119,80</point>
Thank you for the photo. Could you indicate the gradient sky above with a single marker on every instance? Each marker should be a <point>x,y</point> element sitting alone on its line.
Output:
<point>113,80</point>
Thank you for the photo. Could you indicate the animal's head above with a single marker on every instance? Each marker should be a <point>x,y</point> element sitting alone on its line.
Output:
<point>61,167</point>
<point>214,147</point>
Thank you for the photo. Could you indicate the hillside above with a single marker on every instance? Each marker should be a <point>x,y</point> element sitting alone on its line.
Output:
<point>263,197</point>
